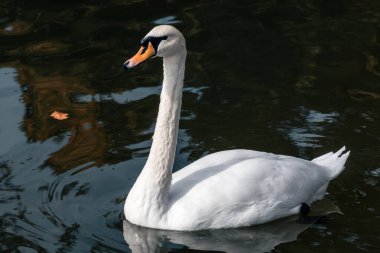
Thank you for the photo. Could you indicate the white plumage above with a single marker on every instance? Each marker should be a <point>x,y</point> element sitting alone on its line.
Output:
<point>227,189</point>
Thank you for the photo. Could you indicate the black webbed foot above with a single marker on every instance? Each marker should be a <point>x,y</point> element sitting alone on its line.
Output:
<point>305,209</point>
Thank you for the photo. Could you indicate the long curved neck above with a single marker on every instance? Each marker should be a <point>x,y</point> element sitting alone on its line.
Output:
<point>161,157</point>
<point>150,192</point>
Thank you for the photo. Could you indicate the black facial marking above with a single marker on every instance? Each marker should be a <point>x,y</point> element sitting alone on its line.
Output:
<point>154,40</point>
<point>144,49</point>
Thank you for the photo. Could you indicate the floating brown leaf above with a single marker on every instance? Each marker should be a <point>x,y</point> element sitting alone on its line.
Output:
<point>59,115</point>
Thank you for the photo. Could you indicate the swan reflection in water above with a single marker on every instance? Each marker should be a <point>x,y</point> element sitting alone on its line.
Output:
<point>261,238</point>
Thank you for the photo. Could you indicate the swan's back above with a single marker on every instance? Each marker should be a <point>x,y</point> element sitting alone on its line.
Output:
<point>243,187</point>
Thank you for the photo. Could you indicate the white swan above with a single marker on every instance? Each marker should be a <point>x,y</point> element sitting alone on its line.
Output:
<point>226,189</point>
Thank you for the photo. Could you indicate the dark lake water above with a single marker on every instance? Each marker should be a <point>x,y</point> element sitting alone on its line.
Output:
<point>299,78</point>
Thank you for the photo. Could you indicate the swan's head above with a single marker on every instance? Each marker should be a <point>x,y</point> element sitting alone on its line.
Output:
<point>162,41</point>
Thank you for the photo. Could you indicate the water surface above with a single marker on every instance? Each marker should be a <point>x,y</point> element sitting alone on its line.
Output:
<point>294,78</point>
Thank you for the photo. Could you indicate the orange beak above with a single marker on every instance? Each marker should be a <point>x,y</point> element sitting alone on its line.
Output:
<point>142,55</point>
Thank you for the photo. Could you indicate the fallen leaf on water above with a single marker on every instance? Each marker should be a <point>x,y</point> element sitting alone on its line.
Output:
<point>59,115</point>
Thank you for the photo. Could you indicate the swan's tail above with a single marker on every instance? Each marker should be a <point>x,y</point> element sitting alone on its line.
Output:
<point>334,161</point>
